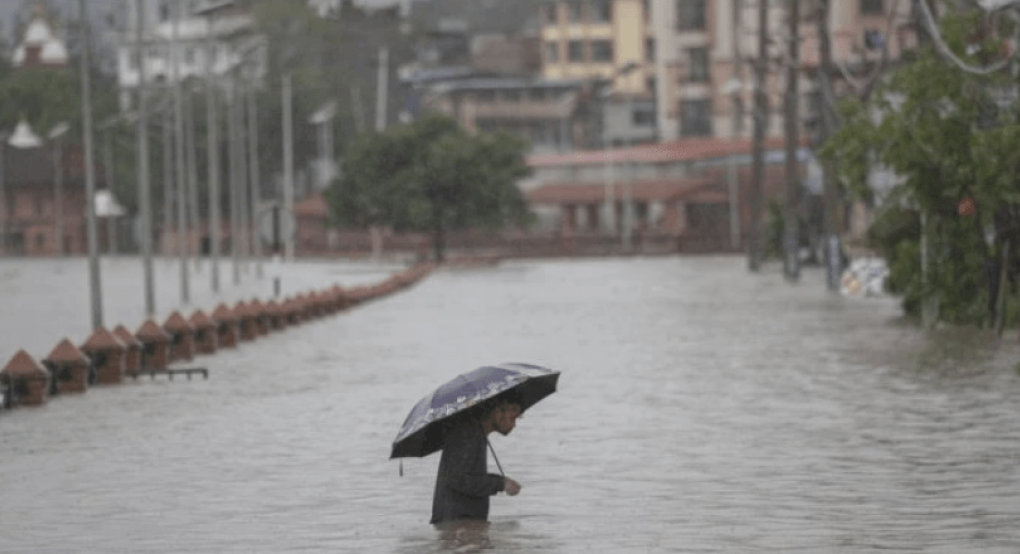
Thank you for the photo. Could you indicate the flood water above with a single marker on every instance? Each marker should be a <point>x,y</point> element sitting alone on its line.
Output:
<point>700,409</point>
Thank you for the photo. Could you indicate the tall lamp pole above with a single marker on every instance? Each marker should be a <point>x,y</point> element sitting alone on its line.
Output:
<point>144,185</point>
<point>182,212</point>
<point>90,185</point>
<point>58,183</point>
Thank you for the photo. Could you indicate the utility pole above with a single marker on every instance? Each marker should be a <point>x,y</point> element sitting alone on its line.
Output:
<point>182,212</point>
<point>754,244</point>
<point>253,157</point>
<point>235,231</point>
<point>240,98</point>
<point>381,88</point>
<point>833,221</point>
<point>213,153</point>
<point>192,159</point>
<point>288,171</point>
<point>791,227</point>
<point>144,185</point>
<point>95,289</point>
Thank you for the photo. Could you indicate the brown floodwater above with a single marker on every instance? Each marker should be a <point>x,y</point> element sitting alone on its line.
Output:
<point>700,409</point>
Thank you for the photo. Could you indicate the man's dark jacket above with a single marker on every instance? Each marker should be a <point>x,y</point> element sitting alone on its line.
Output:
<point>463,485</point>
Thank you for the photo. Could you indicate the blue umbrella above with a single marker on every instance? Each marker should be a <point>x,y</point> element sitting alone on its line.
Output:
<point>424,430</point>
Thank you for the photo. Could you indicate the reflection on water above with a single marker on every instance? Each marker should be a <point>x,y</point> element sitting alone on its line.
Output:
<point>700,409</point>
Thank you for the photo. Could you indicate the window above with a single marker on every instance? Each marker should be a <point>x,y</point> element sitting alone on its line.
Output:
<point>696,118</point>
<point>871,7</point>
<point>601,51</point>
<point>486,95</point>
<point>690,15</point>
<point>650,49</point>
<point>537,94</point>
<point>39,205</point>
<point>550,13</point>
<point>650,85</point>
<point>189,55</point>
<point>552,52</point>
<point>602,11</point>
<point>40,241</point>
<point>699,72</point>
<point>646,7</point>
<point>574,11</point>
<point>575,51</point>
<point>642,117</point>
<point>511,96</point>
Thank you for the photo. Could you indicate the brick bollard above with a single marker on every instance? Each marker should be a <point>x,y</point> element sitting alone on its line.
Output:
<point>258,311</point>
<point>226,326</point>
<point>155,346</point>
<point>107,354</point>
<point>133,355</point>
<point>246,321</point>
<point>182,337</point>
<point>277,316</point>
<point>205,333</point>
<point>27,381</point>
<point>69,368</point>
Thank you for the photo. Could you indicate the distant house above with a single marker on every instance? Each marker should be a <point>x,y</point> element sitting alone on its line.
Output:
<point>40,46</point>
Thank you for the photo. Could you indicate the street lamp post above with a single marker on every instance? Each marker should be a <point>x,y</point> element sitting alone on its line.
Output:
<point>733,88</point>
<point>253,157</point>
<point>143,170</point>
<point>210,9</point>
<point>182,212</point>
<point>90,185</point>
<point>58,183</point>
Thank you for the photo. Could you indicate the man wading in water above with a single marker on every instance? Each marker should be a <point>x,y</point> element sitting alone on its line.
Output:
<point>463,484</point>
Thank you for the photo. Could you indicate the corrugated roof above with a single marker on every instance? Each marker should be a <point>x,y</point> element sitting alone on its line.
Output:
<point>200,321</point>
<point>149,331</point>
<point>176,322</point>
<point>23,364</point>
<point>126,337</point>
<point>102,339</point>
<point>66,351</point>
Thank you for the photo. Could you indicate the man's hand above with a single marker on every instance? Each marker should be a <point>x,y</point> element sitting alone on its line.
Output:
<point>511,487</point>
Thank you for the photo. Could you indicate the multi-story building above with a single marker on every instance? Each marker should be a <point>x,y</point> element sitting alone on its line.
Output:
<point>706,51</point>
<point>610,44</point>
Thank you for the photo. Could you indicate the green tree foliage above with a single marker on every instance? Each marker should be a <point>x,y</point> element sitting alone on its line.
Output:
<point>432,175</point>
<point>940,128</point>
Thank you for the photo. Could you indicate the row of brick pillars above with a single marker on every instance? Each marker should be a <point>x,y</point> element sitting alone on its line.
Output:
<point>106,357</point>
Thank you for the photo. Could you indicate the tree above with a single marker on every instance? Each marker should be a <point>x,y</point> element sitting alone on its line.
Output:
<point>944,132</point>
<point>431,175</point>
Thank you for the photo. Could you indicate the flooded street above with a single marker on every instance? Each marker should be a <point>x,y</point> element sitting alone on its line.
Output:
<point>700,409</point>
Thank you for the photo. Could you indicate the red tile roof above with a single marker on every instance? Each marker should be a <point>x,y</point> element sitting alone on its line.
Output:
<point>679,150</point>
<point>149,331</point>
<point>66,351</point>
<point>125,336</point>
<point>199,320</point>
<point>24,364</point>
<point>594,193</point>
<point>102,339</point>
<point>176,322</point>
<point>224,313</point>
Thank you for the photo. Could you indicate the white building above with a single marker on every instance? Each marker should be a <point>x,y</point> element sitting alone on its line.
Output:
<point>200,42</point>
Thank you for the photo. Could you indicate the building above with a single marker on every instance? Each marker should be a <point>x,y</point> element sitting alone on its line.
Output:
<point>610,44</point>
<point>706,50</point>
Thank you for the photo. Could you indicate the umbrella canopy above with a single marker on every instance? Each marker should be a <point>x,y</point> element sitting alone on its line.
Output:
<point>424,430</point>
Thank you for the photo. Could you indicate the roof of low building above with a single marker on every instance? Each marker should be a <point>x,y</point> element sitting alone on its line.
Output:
<point>176,322</point>
<point>314,205</point>
<point>224,313</point>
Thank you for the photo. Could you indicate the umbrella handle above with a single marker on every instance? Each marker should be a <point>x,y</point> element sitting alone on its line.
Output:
<point>495,457</point>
